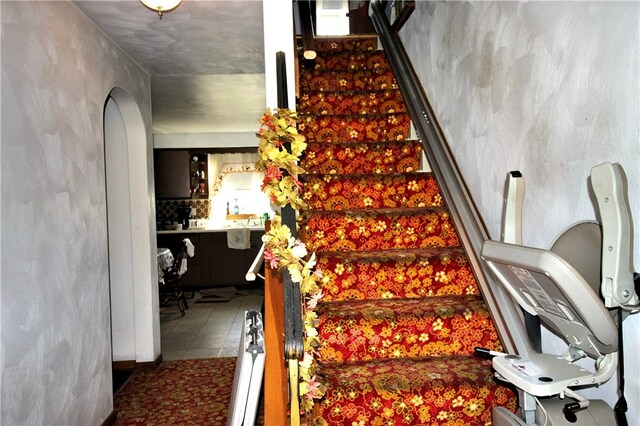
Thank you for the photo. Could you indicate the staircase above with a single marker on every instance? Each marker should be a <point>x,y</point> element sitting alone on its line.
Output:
<point>401,312</point>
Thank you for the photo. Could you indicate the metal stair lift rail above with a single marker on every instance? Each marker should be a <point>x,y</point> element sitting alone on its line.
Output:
<point>508,321</point>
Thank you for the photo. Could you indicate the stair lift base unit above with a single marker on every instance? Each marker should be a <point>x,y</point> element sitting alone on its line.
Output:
<point>550,412</point>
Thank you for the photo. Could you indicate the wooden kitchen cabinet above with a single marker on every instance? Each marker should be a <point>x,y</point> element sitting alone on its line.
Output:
<point>171,173</point>
<point>180,173</point>
<point>229,266</point>
<point>214,263</point>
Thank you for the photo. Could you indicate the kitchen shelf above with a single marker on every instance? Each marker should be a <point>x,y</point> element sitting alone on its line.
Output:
<point>198,172</point>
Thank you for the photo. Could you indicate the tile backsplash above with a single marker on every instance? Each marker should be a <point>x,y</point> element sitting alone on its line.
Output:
<point>167,210</point>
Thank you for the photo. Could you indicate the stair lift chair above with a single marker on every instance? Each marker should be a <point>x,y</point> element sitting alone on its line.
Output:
<point>560,287</point>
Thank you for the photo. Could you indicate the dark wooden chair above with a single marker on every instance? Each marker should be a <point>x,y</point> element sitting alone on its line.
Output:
<point>172,286</point>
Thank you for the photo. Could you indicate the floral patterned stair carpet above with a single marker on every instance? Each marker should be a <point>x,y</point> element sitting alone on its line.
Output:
<point>401,311</point>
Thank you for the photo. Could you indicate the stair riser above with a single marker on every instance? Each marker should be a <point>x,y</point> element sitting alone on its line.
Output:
<point>442,326</point>
<point>332,192</point>
<point>397,157</point>
<point>393,127</point>
<point>352,61</point>
<point>346,80</point>
<point>344,45</point>
<point>339,232</point>
<point>344,103</point>
<point>414,277</point>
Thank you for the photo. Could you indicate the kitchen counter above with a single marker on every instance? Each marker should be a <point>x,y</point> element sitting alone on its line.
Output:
<point>214,262</point>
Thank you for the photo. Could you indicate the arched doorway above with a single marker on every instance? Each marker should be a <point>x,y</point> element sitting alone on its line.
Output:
<point>135,324</point>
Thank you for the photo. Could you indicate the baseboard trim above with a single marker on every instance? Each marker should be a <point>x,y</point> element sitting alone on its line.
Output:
<point>111,419</point>
<point>123,365</point>
<point>149,365</point>
<point>132,365</point>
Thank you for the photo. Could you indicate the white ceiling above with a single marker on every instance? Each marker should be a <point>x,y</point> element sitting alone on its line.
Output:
<point>205,58</point>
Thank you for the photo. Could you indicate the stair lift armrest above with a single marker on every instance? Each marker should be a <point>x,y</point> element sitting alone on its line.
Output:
<point>610,188</point>
<point>512,208</point>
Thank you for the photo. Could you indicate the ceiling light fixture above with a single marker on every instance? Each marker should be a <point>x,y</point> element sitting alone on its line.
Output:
<point>161,6</point>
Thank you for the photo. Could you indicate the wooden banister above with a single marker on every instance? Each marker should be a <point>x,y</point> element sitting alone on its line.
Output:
<point>283,317</point>
<point>307,28</point>
<point>276,395</point>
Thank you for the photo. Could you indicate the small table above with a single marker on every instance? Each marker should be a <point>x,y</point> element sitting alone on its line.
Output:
<point>165,262</point>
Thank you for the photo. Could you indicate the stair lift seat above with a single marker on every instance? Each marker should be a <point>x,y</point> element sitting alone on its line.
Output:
<point>546,285</point>
<point>560,288</point>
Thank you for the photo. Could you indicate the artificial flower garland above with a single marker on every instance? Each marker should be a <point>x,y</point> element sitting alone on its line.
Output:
<point>280,149</point>
<point>282,251</point>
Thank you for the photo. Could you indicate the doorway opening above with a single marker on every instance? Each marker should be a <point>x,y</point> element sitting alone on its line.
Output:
<point>135,329</point>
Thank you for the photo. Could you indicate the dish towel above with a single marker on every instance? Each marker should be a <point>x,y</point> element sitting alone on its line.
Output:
<point>183,267</point>
<point>239,238</point>
<point>191,250</point>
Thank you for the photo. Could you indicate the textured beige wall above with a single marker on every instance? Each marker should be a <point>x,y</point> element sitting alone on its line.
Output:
<point>547,88</point>
<point>57,70</point>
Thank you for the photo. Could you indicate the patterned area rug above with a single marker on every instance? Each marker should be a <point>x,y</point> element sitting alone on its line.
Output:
<point>188,392</point>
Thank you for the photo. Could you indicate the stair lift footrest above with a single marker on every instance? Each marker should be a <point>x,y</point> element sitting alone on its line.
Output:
<point>543,374</point>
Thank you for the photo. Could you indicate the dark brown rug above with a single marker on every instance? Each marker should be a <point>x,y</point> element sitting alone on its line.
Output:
<point>225,294</point>
<point>213,299</point>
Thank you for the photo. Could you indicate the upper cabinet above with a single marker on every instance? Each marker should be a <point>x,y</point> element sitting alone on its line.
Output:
<point>180,174</point>
<point>171,171</point>
<point>199,175</point>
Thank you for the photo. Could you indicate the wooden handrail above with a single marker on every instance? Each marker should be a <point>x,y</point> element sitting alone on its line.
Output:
<point>408,7</point>
<point>281,80</point>
<point>283,318</point>
<point>293,344</point>
<point>276,395</point>
<point>307,28</point>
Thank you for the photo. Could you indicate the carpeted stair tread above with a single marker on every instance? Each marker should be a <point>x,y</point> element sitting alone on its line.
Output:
<point>370,59</point>
<point>349,158</point>
<point>383,254</point>
<point>323,80</point>
<point>457,390</point>
<point>395,328</point>
<point>369,192</point>
<point>338,231</point>
<point>387,276</point>
<point>401,310</point>
<point>349,128</point>
<point>351,103</point>
<point>388,117</point>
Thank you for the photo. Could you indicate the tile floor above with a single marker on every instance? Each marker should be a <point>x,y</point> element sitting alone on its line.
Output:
<point>208,330</point>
